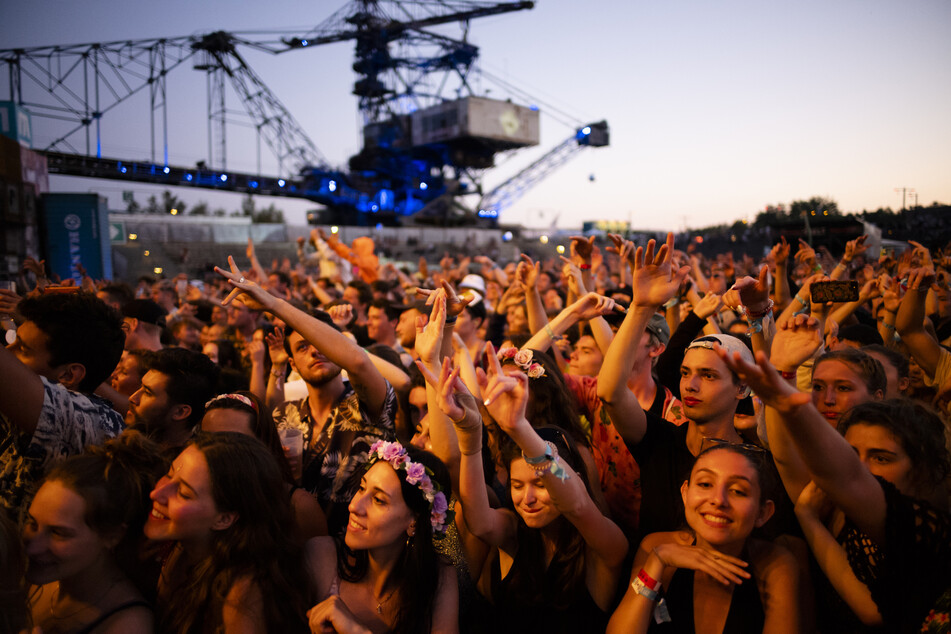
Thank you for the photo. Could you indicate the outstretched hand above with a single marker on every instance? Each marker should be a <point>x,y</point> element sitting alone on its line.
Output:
<point>506,395</point>
<point>765,382</point>
<point>655,282</point>
<point>455,401</point>
<point>245,291</point>
<point>795,342</point>
<point>429,333</point>
<point>454,303</point>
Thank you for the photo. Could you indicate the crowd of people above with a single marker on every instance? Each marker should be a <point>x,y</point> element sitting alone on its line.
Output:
<point>632,438</point>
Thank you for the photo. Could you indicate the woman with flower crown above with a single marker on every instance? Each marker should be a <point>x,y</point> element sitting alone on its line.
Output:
<point>559,557</point>
<point>385,574</point>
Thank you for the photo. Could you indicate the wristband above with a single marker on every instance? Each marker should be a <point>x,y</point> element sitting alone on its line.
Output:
<point>550,332</point>
<point>472,453</point>
<point>641,588</point>
<point>547,463</point>
<point>278,374</point>
<point>451,320</point>
<point>788,375</point>
<point>648,580</point>
<point>888,326</point>
<point>800,300</point>
<point>584,267</point>
<point>750,315</point>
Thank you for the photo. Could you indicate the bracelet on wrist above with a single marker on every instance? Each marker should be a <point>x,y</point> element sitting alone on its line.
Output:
<point>799,299</point>
<point>788,375</point>
<point>472,453</point>
<point>550,332</point>
<point>584,267</point>
<point>888,326</point>
<point>648,580</point>
<point>641,588</point>
<point>759,314</point>
<point>451,320</point>
<point>547,462</point>
<point>279,374</point>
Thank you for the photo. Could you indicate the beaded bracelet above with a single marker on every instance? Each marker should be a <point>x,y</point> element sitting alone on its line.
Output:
<point>547,462</point>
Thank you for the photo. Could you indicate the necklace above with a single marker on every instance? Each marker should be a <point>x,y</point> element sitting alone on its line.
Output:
<point>379,606</point>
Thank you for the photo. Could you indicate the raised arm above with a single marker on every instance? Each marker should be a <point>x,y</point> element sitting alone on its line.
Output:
<point>832,557</point>
<point>910,321</point>
<point>339,350</point>
<point>506,399</point>
<point>654,283</point>
<point>833,464</point>
<point>590,306</point>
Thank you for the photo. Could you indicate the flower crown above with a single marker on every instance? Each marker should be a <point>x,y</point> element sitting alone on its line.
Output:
<point>523,359</point>
<point>417,475</point>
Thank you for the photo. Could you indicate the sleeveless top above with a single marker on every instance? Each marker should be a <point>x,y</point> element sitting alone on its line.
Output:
<point>746,607</point>
<point>134,603</point>
<point>549,614</point>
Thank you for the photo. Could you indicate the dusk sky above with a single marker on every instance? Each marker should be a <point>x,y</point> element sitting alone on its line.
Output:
<point>716,108</point>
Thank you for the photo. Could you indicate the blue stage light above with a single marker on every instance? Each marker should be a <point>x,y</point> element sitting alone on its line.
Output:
<point>224,178</point>
<point>423,186</point>
<point>533,107</point>
<point>303,42</point>
<point>332,186</point>
<point>253,183</point>
<point>166,170</point>
<point>123,170</point>
<point>379,226</point>
<point>507,236</point>
<point>586,130</point>
<point>280,182</point>
<point>188,177</point>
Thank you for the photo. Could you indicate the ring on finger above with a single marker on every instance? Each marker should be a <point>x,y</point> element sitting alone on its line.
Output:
<point>241,280</point>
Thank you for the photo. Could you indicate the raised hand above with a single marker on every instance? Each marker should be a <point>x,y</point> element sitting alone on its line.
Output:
<point>256,351</point>
<point>245,291</point>
<point>813,502</point>
<point>527,272</point>
<point>454,303</point>
<point>654,280</point>
<point>780,252</point>
<point>795,342</point>
<point>806,254</point>
<point>593,305</point>
<point>506,395</point>
<point>766,382</point>
<point>341,315</point>
<point>275,347</point>
<point>708,306</point>
<point>455,401</point>
<point>922,253</point>
<point>854,248</point>
<point>581,249</point>
<point>754,292</point>
<point>429,333</point>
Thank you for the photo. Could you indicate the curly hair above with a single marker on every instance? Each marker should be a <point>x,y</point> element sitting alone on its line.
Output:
<point>192,378</point>
<point>81,329</point>
<point>919,431</point>
<point>246,481</point>
<point>868,368</point>
<point>417,571</point>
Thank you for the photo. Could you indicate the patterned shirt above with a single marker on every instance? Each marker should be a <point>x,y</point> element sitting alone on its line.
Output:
<point>333,458</point>
<point>68,423</point>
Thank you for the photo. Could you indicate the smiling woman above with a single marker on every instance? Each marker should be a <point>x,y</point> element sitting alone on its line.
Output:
<point>385,575</point>
<point>713,573</point>
<point>82,533</point>
<point>233,565</point>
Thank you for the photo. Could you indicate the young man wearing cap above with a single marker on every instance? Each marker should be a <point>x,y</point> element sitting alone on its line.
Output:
<point>709,390</point>
<point>143,321</point>
<point>66,346</point>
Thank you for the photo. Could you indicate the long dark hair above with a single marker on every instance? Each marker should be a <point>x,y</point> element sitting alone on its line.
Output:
<point>417,573</point>
<point>529,580</point>
<point>550,402</point>
<point>245,480</point>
